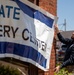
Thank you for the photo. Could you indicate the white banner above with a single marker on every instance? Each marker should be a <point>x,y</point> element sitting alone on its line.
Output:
<point>26,32</point>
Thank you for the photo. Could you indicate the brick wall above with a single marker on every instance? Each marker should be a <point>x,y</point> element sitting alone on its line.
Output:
<point>50,6</point>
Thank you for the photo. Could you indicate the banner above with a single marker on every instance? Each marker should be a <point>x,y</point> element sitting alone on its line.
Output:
<point>26,32</point>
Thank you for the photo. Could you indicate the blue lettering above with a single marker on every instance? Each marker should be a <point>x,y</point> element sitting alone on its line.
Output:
<point>9,7</point>
<point>16,13</point>
<point>2,11</point>
<point>10,11</point>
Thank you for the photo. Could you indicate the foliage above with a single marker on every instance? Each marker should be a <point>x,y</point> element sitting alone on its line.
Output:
<point>6,70</point>
<point>63,72</point>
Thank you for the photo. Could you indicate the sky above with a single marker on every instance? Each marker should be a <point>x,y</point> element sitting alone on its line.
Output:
<point>65,11</point>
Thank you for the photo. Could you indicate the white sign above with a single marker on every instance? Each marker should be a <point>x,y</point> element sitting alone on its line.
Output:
<point>26,32</point>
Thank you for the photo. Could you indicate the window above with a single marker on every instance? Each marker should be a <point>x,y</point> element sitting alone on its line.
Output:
<point>35,2</point>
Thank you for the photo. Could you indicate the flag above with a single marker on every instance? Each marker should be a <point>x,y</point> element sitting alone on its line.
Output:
<point>26,32</point>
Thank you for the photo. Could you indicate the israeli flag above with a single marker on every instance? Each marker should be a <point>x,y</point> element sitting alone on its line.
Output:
<point>26,32</point>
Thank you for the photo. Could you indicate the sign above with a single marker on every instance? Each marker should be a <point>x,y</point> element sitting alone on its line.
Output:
<point>26,32</point>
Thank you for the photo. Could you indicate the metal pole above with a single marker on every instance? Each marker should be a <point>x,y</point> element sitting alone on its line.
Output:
<point>65,24</point>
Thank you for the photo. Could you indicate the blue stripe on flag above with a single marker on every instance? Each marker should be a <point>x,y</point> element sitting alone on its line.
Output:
<point>24,51</point>
<point>35,13</point>
<point>48,21</point>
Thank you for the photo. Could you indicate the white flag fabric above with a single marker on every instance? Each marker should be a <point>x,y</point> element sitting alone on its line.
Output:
<point>26,32</point>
